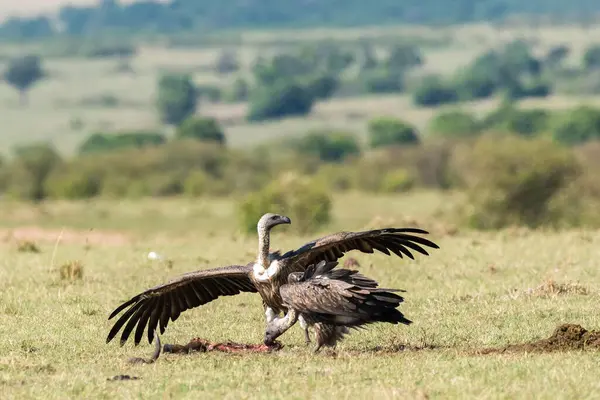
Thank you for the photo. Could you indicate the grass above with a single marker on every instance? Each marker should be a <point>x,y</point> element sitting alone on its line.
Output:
<point>71,103</point>
<point>479,290</point>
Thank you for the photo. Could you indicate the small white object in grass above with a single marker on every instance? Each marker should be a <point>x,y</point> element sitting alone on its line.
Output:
<point>153,256</point>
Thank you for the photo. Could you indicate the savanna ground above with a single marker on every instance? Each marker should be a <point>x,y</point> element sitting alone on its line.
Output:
<point>479,290</point>
<point>83,96</point>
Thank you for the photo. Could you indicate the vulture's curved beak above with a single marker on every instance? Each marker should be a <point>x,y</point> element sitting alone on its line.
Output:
<point>286,220</point>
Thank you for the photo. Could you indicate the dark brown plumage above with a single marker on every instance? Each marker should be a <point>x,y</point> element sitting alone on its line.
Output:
<point>333,300</point>
<point>157,306</point>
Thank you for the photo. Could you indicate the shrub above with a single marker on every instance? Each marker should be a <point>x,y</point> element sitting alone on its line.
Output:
<point>280,99</point>
<point>523,122</point>
<point>307,204</point>
<point>512,181</point>
<point>528,122</point>
<point>323,87</point>
<point>382,80</point>
<point>227,63</point>
<point>73,183</point>
<point>578,126</point>
<point>454,125</point>
<point>327,146</point>
<point>238,91</point>
<point>29,170</point>
<point>202,129</point>
<point>176,98</point>
<point>591,57</point>
<point>387,131</point>
<point>104,142</point>
<point>434,92</point>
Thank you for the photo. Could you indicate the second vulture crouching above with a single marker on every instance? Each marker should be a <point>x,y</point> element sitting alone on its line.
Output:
<point>332,301</point>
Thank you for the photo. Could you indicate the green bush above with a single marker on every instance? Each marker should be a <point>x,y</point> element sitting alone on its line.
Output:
<point>280,99</point>
<point>323,87</point>
<point>432,92</point>
<point>454,125</point>
<point>327,146</point>
<point>201,128</point>
<point>73,183</point>
<point>387,131</point>
<point>176,98</point>
<point>578,126</point>
<point>30,168</point>
<point>105,142</point>
<point>382,80</point>
<point>307,204</point>
<point>513,181</point>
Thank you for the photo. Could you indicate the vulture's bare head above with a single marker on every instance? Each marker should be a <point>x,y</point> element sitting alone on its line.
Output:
<point>269,220</point>
<point>295,277</point>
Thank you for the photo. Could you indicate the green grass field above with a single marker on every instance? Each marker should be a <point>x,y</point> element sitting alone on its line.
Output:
<point>478,290</point>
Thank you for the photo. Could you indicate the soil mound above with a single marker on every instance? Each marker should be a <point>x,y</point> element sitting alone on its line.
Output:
<point>565,337</point>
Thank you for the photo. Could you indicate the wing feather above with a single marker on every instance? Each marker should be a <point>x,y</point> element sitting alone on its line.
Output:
<point>400,241</point>
<point>163,303</point>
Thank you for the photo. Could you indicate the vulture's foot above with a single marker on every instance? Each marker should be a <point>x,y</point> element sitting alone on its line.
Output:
<point>306,337</point>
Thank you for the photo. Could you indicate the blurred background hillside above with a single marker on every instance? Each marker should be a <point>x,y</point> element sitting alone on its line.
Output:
<point>493,105</point>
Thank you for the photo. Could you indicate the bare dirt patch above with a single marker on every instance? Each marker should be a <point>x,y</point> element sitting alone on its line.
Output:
<point>566,337</point>
<point>551,288</point>
<point>91,237</point>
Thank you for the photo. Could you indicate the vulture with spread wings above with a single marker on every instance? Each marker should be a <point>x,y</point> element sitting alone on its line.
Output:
<point>157,306</point>
<point>332,301</point>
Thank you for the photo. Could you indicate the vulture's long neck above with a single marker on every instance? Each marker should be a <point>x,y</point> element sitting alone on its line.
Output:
<point>263,247</point>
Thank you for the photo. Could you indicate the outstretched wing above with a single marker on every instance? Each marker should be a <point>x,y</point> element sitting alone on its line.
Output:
<point>399,241</point>
<point>166,302</point>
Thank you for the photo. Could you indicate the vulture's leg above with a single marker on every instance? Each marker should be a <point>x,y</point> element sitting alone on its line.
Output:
<point>317,347</point>
<point>304,326</point>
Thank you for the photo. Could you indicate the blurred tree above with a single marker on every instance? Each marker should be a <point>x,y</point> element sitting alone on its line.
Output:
<point>176,98</point>
<point>387,131</point>
<point>403,57</point>
<point>328,146</point>
<point>578,126</point>
<point>432,92</point>
<point>106,142</point>
<point>280,100</point>
<point>203,129</point>
<point>22,73</point>
<point>454,124</point>
<point>227,62</point>
<point>31,166</point>
<point>591,57</point>
<point>556,56</point>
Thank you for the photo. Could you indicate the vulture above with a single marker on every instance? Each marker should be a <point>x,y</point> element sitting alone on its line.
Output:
<point>332,301</point>
<point>157,306</point>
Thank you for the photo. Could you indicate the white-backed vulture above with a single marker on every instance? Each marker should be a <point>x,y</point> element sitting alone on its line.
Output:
<point>157,306</point>
<point>333,300</point>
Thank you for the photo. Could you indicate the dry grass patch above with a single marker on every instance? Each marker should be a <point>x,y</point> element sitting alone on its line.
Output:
<point>71,271</point>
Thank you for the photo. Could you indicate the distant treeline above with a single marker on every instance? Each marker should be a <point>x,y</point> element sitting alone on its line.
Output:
<point>193,15</point>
